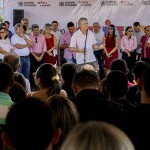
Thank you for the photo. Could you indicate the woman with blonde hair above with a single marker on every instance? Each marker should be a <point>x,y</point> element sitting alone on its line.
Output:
<point>97,136</point>
<point>51,44</point>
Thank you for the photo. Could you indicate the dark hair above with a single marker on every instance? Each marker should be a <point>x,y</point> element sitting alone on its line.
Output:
<point>86,78</point>
<point>29,124</point>
<point>65,114</point>
<point>116,84</point>
<point>136,24</point>
<point>129,27</point>
<point>2,25</point>
<point>70,24</point>
<point>54,22</point>
<point>17,92</point>
<point>6,76</point>
<point>34,26</point>
<point>113,35</point>
<point>146,81</point>
<point>7,22</point>
<point>19,78</point>
<point>12,59</point>
<point>24,28</point>
<point>47,74</point>
<point>119,64</point>
<point>139,68</point>
<point>68,71</point>
<point>2,28</point>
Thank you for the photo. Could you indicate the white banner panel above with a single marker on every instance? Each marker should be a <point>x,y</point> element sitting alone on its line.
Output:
<point>120,12</point>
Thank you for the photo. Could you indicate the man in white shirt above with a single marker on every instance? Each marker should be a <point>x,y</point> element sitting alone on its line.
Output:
<point>138,33</point>
<point>99,35</point>
<point>25,22</point>
<point>21,43</point>
<point>58,35</point>
<point>83,39</point>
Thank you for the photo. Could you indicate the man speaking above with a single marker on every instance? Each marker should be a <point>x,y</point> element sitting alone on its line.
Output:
<point>83,42</point>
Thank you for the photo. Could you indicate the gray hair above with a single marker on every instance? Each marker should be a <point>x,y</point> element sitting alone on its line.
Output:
<point>12,59</point>
<point>81,20</point>
<point>18,25</point>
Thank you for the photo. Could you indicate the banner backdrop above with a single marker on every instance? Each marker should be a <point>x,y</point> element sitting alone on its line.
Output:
<point>121,13</point>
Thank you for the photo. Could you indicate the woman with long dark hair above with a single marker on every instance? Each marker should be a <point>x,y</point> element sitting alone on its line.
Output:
<point>128,47</point>
<point>111,46</point>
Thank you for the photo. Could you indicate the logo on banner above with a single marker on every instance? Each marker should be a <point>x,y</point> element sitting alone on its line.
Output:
<point>109,3</point>
<point>146,2</point>
<point>74,3</point>
<point>126,2</point>
<point>33,4</point>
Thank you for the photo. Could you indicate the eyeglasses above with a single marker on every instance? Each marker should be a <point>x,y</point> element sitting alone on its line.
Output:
<point>110,28</point>
<point>130,30</point>
<point>36,40</point>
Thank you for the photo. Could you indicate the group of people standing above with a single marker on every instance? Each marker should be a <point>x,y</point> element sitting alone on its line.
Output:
<point>82,46</point>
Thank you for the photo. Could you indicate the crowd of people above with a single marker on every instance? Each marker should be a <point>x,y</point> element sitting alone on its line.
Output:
<point>75,106</point>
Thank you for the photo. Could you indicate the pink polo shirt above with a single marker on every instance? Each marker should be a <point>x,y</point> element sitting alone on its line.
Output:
<point>39,44</point>
<point>130,44</point>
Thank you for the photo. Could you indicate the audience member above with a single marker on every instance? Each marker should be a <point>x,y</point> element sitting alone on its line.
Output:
<point>47,80</point>
<point>65,114</point>
<point>14,61</point>
<point>97,136</point>
<point>68,71</point>
<point>6,81</point>
<point>24,21</point>
<point>30,125</point>
<point>17,92</point>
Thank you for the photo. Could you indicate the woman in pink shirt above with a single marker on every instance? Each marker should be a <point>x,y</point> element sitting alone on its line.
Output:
<point>128,47</point>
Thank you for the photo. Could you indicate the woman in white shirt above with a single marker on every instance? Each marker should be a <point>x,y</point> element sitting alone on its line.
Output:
<point>5,45</point>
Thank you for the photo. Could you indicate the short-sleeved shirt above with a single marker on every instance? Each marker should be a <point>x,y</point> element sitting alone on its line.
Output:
<point>78,41</point>
<point>65,39</point>
<point>39,45</point>
<point>15,39</point>
<point>5,103</point>
<point>5,45</point>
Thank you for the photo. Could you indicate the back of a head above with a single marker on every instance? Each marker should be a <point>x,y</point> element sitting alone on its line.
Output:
<point>119,64</point>
<point>85,79</point>
<point>139,68</point>
<point>29,125</point>
<point>19,78</point>
<point>116,84</point>
<point>17,92</point>
<point>146,81</point>
<point>68,71</point>
<point>66,115</point>
<point>13,60</point>
<point>6,76</point>
<point>48,78</point>
<point>97,136</point>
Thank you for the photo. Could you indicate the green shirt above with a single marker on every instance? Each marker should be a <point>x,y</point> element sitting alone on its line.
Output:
<point>5,103</point>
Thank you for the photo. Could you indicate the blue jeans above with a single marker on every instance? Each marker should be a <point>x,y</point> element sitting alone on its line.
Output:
<point>99,57</point>
<point>71,60</point>
<point>25,66</point>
